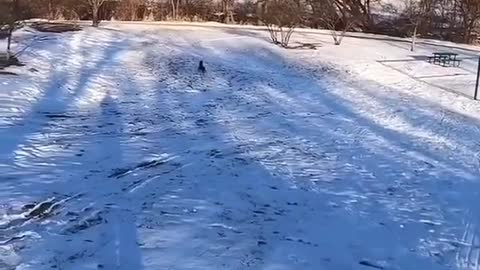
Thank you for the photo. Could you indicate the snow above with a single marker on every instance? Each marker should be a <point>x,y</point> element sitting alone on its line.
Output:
<point>117,154</point>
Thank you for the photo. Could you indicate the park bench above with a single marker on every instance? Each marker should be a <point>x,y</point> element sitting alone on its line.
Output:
<point>445,59</point>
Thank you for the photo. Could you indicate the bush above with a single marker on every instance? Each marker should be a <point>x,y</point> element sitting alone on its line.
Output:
<point>281,17</point>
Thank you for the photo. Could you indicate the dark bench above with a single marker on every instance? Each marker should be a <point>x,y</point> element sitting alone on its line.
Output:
<point>444,59</point>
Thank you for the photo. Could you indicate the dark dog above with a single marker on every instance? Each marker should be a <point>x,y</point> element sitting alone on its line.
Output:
<point>201,67</point>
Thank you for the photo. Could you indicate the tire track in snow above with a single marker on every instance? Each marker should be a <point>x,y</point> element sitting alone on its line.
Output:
<point>468,253</point>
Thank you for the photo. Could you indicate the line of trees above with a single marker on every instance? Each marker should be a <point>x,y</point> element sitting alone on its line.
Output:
<point>455,20</point>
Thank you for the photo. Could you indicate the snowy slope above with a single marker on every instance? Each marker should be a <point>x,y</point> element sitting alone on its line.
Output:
<point>116,154</point>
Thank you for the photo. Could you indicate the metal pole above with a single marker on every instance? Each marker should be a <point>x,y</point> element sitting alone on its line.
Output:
<point>478,78</point>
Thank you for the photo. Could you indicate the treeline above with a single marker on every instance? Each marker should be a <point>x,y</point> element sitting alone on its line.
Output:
<point>455,20</point>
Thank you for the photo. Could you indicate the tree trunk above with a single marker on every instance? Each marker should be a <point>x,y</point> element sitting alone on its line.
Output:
<point>177,8</point>
<point>230,11</point>
<point>50,10</point>
<point>466,33</point>
<point>133,12</point>
<point>225,11</point>
<point>467,36</point>
<point>174,11</point>
<point>186,6</point>
<point>95,20</point>
<point>9,41</point>
<point>15,15</point>
<point>368,14</point>
<point>414,37</point>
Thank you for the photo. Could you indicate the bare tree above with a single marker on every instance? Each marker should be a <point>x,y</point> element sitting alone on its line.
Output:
<point>175,4</point>
<point>4,22</point>
<point>200,9</point>
<point>149,7</point>
<point>129,9</point>
<point>358,9</point>
<point>337,20</point>
<point>53,8</point>
<point>281,17</point>
<point>413,12</point>
<point>469,11</point>
<point>11,12</point>
<point>227,6</point>
<point>95,6</point>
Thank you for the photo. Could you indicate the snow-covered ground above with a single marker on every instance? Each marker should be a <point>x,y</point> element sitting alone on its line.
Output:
<point>115,153</point>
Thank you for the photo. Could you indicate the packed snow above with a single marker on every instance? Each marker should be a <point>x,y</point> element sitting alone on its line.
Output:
<point>116,153</point>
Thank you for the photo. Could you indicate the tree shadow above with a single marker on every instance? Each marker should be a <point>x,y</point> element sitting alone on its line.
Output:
<point>38,172</point>
<point>57,97</point>
<point>98,227</point>
<point>118,232</point>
